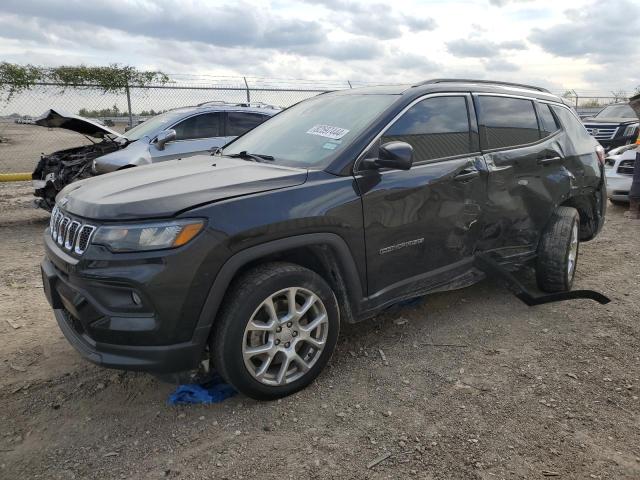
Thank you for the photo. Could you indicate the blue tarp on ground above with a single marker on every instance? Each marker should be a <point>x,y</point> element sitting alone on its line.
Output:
<point>214,391</point>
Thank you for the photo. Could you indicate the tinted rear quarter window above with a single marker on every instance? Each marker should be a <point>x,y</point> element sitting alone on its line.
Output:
<point>199,126</point>
<point>506,122</point>
<point>547,120</point>
<point>574,128</point>
<point>239,123</point>
<point>435,127</point>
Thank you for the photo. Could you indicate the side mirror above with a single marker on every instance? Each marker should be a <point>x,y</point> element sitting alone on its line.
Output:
<point>396,155</point>
<point>164,137</point>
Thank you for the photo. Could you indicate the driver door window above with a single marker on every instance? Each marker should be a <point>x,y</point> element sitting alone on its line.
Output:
<point>436,128</point>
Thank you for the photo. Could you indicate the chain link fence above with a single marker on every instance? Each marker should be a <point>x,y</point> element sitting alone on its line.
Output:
<point>22,142</point>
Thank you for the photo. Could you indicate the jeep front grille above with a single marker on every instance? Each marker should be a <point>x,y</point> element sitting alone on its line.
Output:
<point>70,234</point>
<point>602,132</point>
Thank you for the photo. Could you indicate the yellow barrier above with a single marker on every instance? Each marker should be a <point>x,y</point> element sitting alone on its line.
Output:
<point>15,177</point>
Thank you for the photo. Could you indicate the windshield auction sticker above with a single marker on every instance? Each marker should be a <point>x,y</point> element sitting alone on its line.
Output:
<point>328,131</point>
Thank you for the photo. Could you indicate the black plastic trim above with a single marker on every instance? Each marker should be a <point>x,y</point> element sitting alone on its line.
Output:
<point>237,261</point>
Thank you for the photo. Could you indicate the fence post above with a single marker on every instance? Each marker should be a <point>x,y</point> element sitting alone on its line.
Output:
<point>129,105</point>
<point>247,85</point>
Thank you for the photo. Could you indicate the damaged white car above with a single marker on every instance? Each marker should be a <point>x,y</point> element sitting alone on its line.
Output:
<point>178,133</point>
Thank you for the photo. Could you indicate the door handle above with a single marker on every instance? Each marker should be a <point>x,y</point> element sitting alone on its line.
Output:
<point>466,174</point>
<point>546,160</point>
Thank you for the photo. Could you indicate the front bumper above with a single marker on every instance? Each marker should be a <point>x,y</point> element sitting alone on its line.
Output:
<point>93,306</point>
<point>618,186</point>
<point>160,359</point>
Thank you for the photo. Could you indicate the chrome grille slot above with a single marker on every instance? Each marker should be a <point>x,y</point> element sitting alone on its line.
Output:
<point>54,214</point>
<point>71,234</point>
<point>84,237</point>
<point>70,237</point>
<point>56,225</point>
<point>62,229</point>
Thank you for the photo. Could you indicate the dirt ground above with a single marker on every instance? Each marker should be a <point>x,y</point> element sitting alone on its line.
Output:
<point>475,385</point>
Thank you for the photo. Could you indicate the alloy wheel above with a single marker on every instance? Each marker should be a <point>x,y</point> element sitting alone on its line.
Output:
<point>285,336</point>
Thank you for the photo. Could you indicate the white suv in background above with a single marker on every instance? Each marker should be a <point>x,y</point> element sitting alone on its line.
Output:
<point>619,172</point>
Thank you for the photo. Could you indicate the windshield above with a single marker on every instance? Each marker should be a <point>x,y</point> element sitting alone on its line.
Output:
<point>308,133</point>
<point>153,126</point>
<point>616,111</point>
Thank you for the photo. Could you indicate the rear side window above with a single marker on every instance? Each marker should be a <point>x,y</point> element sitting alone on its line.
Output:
<point>436,128</point>
<point>506,122</point>
<point>548,122</point>
<point>572,125</point>
<point>241,122</point>
<point>200,126</point>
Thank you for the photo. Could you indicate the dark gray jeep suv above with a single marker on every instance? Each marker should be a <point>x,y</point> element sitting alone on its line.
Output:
<point>329,212</point>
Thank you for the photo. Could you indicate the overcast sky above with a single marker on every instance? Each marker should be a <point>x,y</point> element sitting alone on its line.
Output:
<point>591,46</point>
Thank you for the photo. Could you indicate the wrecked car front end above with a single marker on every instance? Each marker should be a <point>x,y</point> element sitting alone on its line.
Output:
<point>56,170</point>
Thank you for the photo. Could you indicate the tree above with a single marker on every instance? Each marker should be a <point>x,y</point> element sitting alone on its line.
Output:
<point>619,95</point>
<point>16,78</point>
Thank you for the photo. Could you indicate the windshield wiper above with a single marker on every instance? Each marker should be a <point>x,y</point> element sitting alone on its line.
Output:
<point>254,157</point>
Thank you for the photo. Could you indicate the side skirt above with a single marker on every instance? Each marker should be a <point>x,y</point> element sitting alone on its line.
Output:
<point>493,269</point>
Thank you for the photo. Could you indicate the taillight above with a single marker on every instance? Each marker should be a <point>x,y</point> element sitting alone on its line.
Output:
<point>600,153</point>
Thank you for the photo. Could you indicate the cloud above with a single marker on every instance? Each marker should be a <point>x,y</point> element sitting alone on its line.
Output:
<point>413,62</point>
<point>355,49</point>
<point>480,48</point>
<point>419,24</point>
<point>231,25</point>
<point>500,65</point>
<point>375,20</point>
<point>590,47</point>
<point>502,3</point>
<point>602,32</point>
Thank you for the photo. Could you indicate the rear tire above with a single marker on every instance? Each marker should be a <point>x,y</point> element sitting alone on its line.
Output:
<point>276,331</point>
<point>558,251</point>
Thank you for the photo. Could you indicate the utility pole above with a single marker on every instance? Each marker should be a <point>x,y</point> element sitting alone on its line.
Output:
<point>129,105</point>
<point>247,85</point>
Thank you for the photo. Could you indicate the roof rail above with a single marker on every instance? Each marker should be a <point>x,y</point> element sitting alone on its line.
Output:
<point>237,104</point>
<point>487,82</point>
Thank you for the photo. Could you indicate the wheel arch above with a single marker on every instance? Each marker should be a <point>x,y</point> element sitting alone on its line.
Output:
<point>591,208</point>
<point>327,254</point>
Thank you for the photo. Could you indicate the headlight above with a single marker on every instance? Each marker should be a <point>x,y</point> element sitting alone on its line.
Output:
<point>147,236</point>
<point>630,130</point>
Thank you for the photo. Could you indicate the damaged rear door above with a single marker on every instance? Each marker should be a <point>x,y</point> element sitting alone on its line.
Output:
<point>527,176</point>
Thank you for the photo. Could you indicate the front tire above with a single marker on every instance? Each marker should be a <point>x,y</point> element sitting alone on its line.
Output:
<point>558,251</point>
<point>276,331</point>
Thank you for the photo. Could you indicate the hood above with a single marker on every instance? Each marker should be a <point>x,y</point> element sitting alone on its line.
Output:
<point>61,119</point>
<point>164,189</point>
<point>621,120</point>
